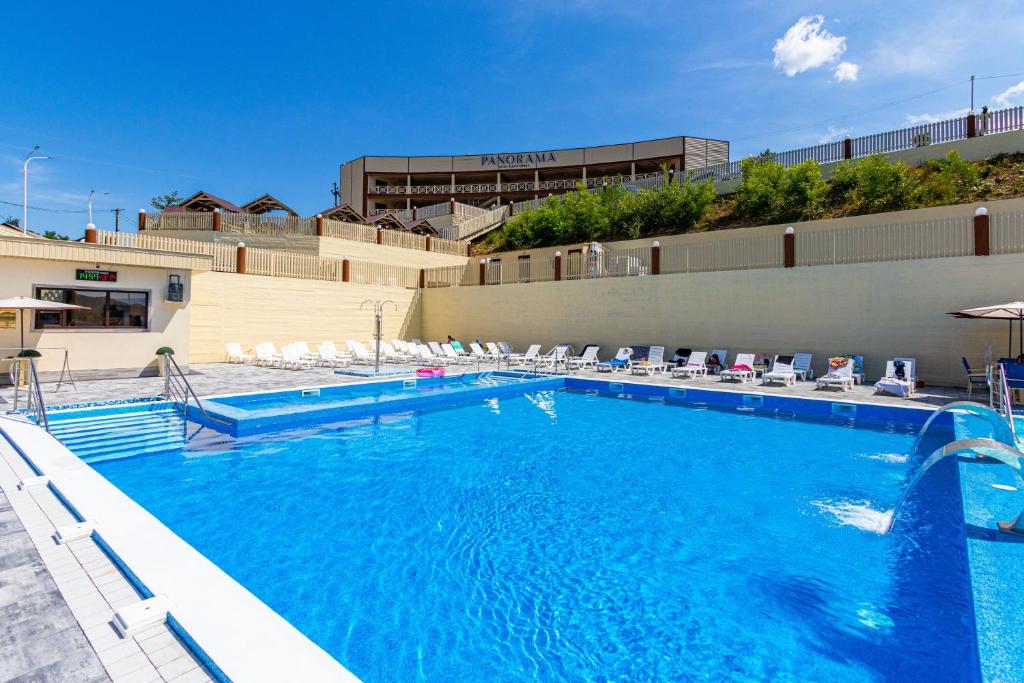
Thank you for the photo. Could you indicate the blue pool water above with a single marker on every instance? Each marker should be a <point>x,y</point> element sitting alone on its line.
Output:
<point>564,536</point>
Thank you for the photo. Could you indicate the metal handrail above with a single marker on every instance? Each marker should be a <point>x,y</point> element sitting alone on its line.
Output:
<point>178,388</point>
<point>36,404</point>
<point>1007,400</point>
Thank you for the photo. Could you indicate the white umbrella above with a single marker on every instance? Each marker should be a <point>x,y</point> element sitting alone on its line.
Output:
<point>1011,311</point>
<point>27,303</point>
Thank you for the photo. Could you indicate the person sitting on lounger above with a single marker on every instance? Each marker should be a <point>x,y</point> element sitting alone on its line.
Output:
<point>714,364</point>
<point>680,357</point>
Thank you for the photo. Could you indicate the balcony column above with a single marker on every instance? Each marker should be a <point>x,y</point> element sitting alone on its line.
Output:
<point>498,182</point>
<point>584,176</point>
<point>536,180</point>
<point>408,184</point>
<point>632,171</point>
<point>453,183</point>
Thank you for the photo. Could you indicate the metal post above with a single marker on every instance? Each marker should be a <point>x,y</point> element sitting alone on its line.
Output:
<point>167,375</point>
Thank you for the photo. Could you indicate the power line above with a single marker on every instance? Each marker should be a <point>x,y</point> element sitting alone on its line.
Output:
<point>39,208</point>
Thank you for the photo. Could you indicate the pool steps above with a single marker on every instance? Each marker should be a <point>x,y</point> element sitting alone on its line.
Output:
<point>105,437</point>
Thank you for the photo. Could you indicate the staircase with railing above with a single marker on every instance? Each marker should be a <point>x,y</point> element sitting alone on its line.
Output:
<point>179,391</point>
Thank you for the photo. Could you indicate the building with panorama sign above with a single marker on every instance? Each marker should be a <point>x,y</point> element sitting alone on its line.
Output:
<point>378,184</point>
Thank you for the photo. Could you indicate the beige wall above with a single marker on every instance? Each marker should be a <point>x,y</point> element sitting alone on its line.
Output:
<point>849,222</point>
<point>96,353</point>
<point>879,310</point>
<point>249,309</point>
<point>324,246</point>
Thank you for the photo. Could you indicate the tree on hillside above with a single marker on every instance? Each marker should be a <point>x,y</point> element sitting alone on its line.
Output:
<point>162,201</point>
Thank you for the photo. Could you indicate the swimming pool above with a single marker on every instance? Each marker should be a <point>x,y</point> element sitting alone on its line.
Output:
<point>569,534</point>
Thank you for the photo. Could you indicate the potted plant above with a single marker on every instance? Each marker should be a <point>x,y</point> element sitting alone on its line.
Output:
<point>161,364</point>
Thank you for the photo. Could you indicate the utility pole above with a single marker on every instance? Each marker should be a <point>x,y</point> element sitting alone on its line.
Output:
<point>117,219</point>
<point>336,193</point>
<point>972,92</point>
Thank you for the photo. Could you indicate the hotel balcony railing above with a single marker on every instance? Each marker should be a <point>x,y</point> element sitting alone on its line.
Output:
<point>518,186</point>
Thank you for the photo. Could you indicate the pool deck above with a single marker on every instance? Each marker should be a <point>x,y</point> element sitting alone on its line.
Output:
<point>222,378</point>
<point>57,601</point>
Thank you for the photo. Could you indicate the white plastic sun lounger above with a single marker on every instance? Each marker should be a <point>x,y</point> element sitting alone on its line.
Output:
<point>841,377</point>
<point>694,366</point>
<point>293,359</point>
<point>891,384</point>
<point>531,354</point>
<point>723,360</point>
<point>802,366</point>
<point>620,362</point>
<point>236,355</point>
<point>429,358</point>
<point>494,352</point>
<point>738,374</point>
<point>359,353</point>
<point>782,371</point>
<point>655,362</point>
<point>554,357</point>
<point>303,348</point>
<point>588,359</point>
<point>451,354</point>
<point>476,352</point>
<point>328,356</point>
<point>266,354</point>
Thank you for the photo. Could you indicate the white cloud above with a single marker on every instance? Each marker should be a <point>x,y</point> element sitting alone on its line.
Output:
<point>846,71</point>
<point>914,119</point>
<point>807,45</point>
<point>1005,98</point>
<point>834,134</point>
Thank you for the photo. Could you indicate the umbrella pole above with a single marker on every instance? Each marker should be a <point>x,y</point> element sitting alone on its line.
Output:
<point>1009,342</point>
<point>22,330</point>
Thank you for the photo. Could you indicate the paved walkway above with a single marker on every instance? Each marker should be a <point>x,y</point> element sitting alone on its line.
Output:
<point>223,378</point>
<point>40,639</point>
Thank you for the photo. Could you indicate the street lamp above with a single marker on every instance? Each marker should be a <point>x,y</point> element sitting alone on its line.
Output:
<point>91,193</point>
<point>24,187</point>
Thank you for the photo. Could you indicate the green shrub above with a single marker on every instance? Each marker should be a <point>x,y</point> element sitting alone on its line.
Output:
<point>769,192</point>
<point>883,186</point>
<point>611,213</point>
<point>949,180</point>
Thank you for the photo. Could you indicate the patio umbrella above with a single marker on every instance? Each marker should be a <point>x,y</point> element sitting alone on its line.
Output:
<point>27,303</point>
<point>1011,311</point>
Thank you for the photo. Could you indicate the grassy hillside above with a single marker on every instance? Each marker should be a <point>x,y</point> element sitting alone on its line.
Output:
<point>767,193</point>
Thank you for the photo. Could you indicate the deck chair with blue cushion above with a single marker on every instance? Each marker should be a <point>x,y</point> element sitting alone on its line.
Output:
<point>620,362</point>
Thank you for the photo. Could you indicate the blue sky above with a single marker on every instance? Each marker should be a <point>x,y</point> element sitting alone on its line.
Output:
<point>138,99</point>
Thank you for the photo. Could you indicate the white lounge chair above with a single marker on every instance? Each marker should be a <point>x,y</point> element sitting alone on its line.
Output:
<point>453,355</point>
<point>429,358</point>
<point>435,348</point>
<point>531,354</point>
<point>619,362</point>
<point>236,355</point>
<point>655,362</point>
<point>742,369</point>
<point>903,387</point>
<point>555,357</point>
<point>266,354</point>
<point>694,366</point>
<point>292,358</point>
<point>328,356</point>
<point>476,352</point>
<point>841,377</point>
<point>588,359</point>
<point>303,348</point>
<point>494,352</point>
<point>782,371</point>
<point>360,354</point>
<point>802,366</point>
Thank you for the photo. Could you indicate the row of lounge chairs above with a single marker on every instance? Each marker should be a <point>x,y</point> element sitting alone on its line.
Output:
<point>843,372</point>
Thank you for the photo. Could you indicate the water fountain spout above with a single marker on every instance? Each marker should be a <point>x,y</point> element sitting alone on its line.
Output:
<point>982,448</point>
